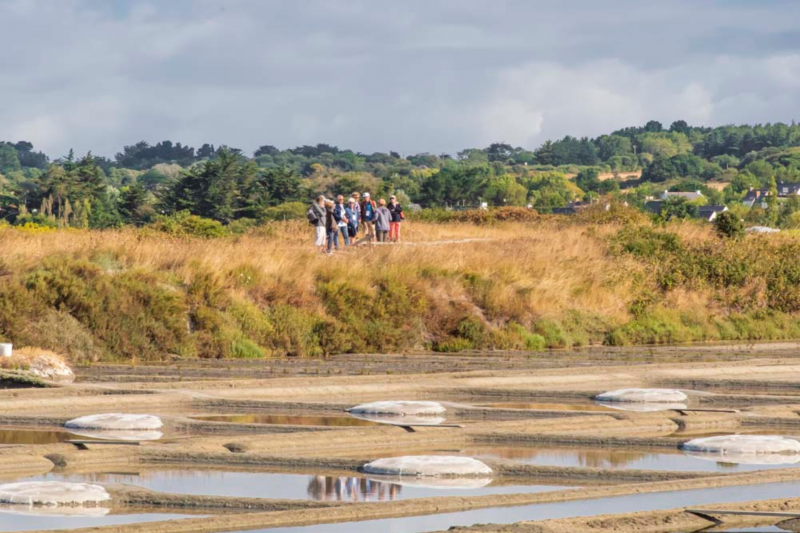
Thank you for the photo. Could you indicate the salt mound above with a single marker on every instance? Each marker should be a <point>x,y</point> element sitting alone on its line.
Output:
<point>746,459</point>
<point>643,407</point>
<point>52,493</point>
<point>643,396</point>
<point>115,421</point>
<point>400,408</point>
<point>427,465</point>
<point>50,366</point>
<point>392,420</point>
<point>742,447</point>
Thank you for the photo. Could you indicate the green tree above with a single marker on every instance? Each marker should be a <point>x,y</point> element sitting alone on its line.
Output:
<point>729,225</point>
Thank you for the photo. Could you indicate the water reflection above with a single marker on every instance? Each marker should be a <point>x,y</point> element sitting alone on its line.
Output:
<point>289,420</point>
<point>352,489</point>
<point>643,407</point>
<point>405,420</point>
<point>26,436</point>
<point>587,458</point>
<point>538,406</point>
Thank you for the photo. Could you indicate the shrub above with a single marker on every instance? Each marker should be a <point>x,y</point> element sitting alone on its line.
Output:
<point>185,224</point>
<point>729,225</point>
<point>452,345</point>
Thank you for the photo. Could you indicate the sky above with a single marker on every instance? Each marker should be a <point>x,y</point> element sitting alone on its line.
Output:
<point>412,76</point>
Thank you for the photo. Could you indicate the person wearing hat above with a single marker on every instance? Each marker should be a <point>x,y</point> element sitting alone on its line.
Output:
<point>368,209</point>
<point>397,217</point>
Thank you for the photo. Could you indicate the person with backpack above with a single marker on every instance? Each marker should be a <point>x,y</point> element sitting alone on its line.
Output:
<point>316,217</point>
<point>368,208</point>
<point>352,219</point>
<point>397,217</point>
<point>340,215</point>
<point>383,219</point>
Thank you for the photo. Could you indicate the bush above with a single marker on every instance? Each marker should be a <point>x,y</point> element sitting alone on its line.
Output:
<point>452,345</point>
<point>185,224</point>
<point>729,225</point>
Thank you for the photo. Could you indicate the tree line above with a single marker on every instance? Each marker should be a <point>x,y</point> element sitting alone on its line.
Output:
<point>143,182</point>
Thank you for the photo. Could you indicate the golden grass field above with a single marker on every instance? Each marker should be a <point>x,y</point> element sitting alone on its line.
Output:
<point>515,285</point>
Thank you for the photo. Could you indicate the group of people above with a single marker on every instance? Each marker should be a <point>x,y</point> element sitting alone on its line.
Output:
<point>380,221</point>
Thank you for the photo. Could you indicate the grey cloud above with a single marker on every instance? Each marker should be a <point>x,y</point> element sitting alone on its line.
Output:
<point>380,74</point>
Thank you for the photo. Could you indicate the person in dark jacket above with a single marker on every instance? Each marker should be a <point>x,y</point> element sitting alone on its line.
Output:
<point>383,220</point>
<point>331,226</point>
<point>397,217</point>
<point>340,215</point>
<point>319,225</point>
<point>352,219</point>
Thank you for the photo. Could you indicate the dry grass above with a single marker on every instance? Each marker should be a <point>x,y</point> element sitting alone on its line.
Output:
<point>136,294</point>
<point>541,270</point>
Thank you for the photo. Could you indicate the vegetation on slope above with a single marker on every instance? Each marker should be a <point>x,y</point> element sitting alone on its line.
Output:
<point>603,277</point>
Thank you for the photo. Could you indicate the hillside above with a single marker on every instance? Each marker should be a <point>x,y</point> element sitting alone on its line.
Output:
<point>552,282</point>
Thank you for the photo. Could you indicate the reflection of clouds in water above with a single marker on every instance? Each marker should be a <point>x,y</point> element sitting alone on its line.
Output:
<point>118,434</point>
<point>438,483</point>
<point>354,489</point>
<point>642,407</point>
<point>86,512</point>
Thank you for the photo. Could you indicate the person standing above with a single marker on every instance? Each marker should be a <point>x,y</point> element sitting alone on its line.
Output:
<point>316,216</point>
<point>383,219</point>
<point>357,210</point>
<point>340,215</point>
<point>352,219</point>
<point>368,209</point>
<point>397,217</point>
<point>331,227</point>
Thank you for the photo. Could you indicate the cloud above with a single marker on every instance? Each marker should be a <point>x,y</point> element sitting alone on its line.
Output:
<point>410,76</point>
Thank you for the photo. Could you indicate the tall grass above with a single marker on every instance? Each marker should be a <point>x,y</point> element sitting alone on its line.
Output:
<point>133,294</point>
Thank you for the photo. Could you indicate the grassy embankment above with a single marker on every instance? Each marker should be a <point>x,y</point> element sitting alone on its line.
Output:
<point>136,295</point>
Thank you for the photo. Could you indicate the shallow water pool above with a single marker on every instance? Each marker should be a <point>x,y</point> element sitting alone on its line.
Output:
<point>298,486</point>
<point>23,518</point>
<point>289,420</point>
<point>25,436</point>
<point>611,458</point>
<point>509,515</point>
